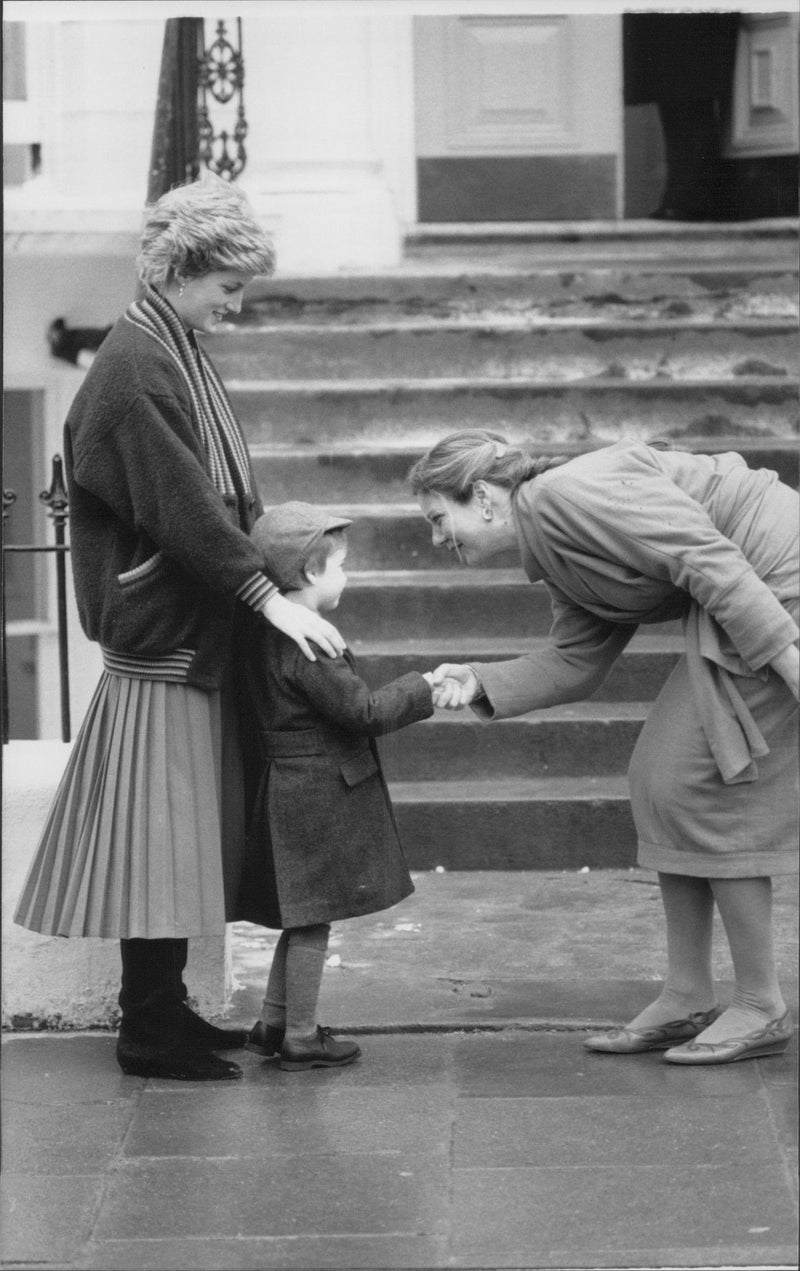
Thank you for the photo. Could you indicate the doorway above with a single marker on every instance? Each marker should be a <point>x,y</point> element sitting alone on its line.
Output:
<point>518,117</point>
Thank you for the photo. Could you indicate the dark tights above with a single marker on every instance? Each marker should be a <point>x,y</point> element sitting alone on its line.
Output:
<point>152,987</point>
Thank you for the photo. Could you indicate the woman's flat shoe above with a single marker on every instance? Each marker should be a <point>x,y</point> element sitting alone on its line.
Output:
<point>198,1032</point>
<point>770,1040</point>
<point>630,1041</point>
<point>265,1040</point>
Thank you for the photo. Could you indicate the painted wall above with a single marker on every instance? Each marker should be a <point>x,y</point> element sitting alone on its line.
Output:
<point>330,144</point>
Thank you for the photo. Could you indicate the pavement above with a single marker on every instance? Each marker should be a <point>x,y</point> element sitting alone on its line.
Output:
<point>475,1131</point>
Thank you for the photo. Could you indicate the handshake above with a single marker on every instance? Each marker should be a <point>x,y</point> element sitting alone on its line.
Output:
<point>452,686</point>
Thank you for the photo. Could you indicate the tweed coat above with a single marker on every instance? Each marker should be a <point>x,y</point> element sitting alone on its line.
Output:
<point>323,842</point>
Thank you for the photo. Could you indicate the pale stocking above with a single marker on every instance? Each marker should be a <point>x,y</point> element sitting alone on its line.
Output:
<point>689,987</point>
<point>745,907</point>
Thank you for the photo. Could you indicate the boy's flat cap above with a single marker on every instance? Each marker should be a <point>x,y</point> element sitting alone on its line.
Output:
<point>288,533</point>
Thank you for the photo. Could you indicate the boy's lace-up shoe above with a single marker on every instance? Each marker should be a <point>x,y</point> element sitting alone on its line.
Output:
<point>323,1052</point>
<point>265,1040</point>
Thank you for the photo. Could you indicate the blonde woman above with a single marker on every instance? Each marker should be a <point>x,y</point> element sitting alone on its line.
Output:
<point>144,841</point>
<point>634,534</point>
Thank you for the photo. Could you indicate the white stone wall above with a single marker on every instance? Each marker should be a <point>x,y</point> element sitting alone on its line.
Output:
<point>56,983</point>
<point>329,104</point>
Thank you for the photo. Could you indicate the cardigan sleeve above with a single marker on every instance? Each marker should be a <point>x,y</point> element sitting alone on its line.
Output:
<point>147,466</point>
<point>338,694</point>
<point>648,525</point>
<point>581,651</point>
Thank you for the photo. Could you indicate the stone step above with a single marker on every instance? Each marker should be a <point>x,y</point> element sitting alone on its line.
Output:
<point>395,536</point>
<point>582,739</point>
<point>366,474</point>
<point>656,268</point>
<point>636,676</point>
<point>588,411</point>
<point>509,349</point>
<point>628,243</point>
<point>386,605</point>
<point>553,823</point>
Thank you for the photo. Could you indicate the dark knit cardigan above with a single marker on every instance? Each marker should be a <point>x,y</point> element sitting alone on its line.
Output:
<point>158,553</point>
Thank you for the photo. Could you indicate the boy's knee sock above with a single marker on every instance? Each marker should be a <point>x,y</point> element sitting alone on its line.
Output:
<point>273,1009</point>
<point>305,959</point>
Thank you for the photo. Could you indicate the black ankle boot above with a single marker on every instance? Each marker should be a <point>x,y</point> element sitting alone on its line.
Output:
<point>152,1043</point>
<point>153,1040</point>
<point>176,1063</point>
<point>198,1032</point>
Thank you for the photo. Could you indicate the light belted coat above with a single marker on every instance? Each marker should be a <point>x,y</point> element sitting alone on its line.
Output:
<point>323,841</point>
<point>633,534</point>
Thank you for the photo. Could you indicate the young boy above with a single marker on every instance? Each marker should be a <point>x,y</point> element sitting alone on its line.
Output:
<point>323,840</point>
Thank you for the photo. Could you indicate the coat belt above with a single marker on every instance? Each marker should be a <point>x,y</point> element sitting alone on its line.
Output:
<point>305,741</point>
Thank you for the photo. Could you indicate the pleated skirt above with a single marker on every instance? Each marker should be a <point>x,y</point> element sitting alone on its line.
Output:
<point>145,836</point>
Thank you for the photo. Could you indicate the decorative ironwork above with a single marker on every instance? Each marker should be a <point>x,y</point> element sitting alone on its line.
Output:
<point>57,501</point>
<point>221,80</point>
<point>9,499</point>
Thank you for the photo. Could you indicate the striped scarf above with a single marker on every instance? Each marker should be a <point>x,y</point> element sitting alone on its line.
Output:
<point>220,433</point>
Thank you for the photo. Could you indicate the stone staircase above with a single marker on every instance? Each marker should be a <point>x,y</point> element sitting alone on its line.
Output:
<point>574,336</point>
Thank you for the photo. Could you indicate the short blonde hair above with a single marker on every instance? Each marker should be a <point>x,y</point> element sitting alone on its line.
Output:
<point>194,229</point>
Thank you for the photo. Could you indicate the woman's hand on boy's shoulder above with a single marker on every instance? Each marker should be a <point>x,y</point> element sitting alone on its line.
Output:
<point>303,626</point>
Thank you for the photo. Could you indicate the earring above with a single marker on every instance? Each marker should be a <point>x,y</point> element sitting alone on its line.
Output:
<point>487,514</point>
<point>181,289</point>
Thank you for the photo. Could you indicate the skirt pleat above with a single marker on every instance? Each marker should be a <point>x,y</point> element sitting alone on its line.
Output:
<point>132,846</point>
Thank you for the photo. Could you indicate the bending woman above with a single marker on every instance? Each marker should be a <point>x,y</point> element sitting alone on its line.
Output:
<point>634,534</point>
<point>145,837</point>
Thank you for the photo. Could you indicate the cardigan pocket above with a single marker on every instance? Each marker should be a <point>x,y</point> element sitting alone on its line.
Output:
<point>150,609</point>
<point>148,566</point>
<point>358,768</point>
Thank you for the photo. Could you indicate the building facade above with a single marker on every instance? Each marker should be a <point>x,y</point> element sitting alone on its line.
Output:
<point>366,124</point>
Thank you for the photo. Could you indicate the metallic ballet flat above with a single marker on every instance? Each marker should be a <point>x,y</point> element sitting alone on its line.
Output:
<point>770,1040</point>
<point>631,1041</point>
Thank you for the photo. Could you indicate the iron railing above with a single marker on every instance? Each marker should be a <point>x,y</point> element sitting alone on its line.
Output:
<point>57,501</point>
<point>221,81</point>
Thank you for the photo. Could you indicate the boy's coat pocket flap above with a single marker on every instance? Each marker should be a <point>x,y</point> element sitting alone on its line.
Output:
<point>358,768</point>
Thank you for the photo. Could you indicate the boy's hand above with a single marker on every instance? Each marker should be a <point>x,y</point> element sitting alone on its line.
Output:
<point>454,687</point>
<point>302,625</point>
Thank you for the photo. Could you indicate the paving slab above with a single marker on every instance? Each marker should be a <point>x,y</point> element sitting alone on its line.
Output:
<point>488,949</point>
<point>475,1132</point>
<point>502,1216</point>
<point>508,1149</point>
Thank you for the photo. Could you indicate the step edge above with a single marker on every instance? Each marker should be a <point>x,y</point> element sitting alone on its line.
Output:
<point>523,790</point>
<point>282,451</point>
<point>435,385</point>
<point>638,228</point>
<point>641,643</point>
<point>764,326</point>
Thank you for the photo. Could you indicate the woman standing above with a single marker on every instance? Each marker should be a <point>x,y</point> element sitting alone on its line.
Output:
<point>684,62</point>
<point>145,837</point>
<point>640,534</point>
